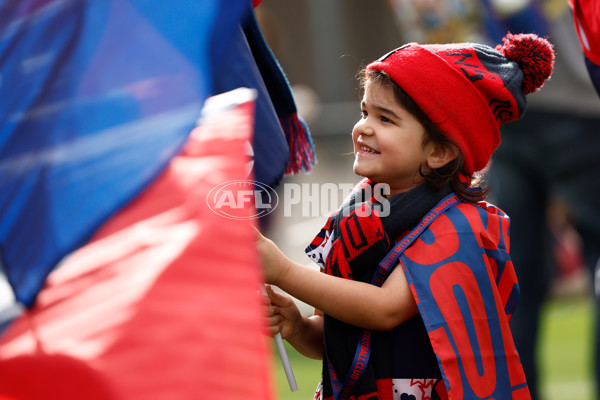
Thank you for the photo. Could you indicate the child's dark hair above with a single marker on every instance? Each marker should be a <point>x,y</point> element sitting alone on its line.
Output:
<point>469,189</point>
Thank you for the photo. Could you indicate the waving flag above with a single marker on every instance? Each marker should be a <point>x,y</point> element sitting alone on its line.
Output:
<point>103,189</point>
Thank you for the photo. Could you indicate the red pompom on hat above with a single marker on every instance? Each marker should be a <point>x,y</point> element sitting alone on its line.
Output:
<point>534,55</point>
<point>469,90</point>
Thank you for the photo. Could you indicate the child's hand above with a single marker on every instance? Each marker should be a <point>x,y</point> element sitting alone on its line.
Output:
<point>283,316</point>
<point>272,259</point>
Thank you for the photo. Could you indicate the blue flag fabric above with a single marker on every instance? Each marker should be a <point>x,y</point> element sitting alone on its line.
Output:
<point>97,97</point>
<point>529,19</point>
<point>281,141</point>
<point>240,70</point>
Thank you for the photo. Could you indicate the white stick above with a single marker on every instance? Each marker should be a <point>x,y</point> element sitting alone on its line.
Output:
<point>287,367</point>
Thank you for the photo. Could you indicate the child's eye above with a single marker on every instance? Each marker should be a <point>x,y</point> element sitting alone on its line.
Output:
<point>385,119</point>
<point>363,113</point>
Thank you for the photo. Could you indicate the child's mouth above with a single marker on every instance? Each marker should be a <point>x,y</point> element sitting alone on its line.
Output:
<point>367,149</point>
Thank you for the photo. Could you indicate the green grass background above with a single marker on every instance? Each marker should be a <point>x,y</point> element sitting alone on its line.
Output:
<point>565,357</point>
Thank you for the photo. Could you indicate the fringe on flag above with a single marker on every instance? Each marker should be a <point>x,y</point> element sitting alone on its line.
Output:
<point>302,155</point>
<point>297,133</point>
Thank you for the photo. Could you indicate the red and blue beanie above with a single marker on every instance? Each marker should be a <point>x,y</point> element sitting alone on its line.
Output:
<point>469,90</point>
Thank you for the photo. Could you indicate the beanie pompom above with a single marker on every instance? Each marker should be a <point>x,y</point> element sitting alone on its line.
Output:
<point>535,56</point>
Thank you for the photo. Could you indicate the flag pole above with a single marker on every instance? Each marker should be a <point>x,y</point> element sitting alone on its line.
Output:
<point>287,367</point>
<point>285,361</point>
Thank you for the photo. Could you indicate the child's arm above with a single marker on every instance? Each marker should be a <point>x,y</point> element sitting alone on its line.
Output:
<point>357,303</point>
<point>305,334</point>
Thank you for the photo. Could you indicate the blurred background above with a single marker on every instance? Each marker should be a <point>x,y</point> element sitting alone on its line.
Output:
<point>321,45</point>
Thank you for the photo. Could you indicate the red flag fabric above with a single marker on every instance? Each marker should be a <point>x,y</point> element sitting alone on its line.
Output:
<point>163,303</point>
<point>586,15</point>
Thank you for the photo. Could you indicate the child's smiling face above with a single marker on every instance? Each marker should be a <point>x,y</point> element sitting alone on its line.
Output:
<point>388,141</point>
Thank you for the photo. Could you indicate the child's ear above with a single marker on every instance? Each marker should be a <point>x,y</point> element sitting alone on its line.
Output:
<point>441,155</point>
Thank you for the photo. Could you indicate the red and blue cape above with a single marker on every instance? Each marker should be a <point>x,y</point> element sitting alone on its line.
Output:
<point>463,281</point>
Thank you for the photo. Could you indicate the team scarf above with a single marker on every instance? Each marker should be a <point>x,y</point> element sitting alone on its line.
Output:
<point>367,224</point>
<point>461,277</point>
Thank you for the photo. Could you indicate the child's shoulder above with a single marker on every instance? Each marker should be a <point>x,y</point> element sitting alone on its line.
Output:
<point>481,205</point>
<point>481,216</point>
<point>492,209</point>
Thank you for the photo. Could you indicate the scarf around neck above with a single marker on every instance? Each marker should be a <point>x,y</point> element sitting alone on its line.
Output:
<point>367,225</point>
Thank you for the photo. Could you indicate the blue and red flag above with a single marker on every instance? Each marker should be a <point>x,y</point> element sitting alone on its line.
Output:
<point>104,236</point>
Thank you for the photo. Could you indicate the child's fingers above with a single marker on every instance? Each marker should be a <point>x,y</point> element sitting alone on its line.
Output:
<point>271,296</point>
<point>274,297</point>
<point>266,295</point>
<point>273,311</point>
<point>275,323</point>
<point>274,320</point>
<point>270,292</point>
<point>274,330</point>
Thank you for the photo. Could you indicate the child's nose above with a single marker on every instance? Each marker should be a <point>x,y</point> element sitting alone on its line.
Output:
<point>364,127</point>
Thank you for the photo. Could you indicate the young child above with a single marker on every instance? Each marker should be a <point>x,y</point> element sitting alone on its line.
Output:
<point>416,296</point>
